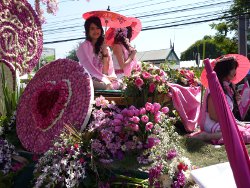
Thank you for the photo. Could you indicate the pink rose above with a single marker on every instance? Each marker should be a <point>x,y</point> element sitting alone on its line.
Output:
<point>165,110</point>
<point>146,75</point>
<point>157,107</point>
<point>144,118</point>
<point>142,111</point>
<point>149,106</point>
<point>149,126</point>
<point>135,119</point>
<point>151,87</point>
<point>139,82</point>
<point>158,78</point>
<point>134,127</point>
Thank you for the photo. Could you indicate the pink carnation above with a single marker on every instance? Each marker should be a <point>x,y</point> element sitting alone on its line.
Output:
<point>157,117</point>
<point>165,110</point>
<point>135,119</point>
<point>151,87</point>
<point>158,78</point>
<point>142,111</point>
<point>134,127</point>
<point>149,106</point>
<point>144,118</point>
<point>139,82</point>
<point>157,107</point>
<point>149,126</point>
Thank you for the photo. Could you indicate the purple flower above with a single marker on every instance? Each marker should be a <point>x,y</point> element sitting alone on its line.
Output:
<point>135,119</point>
<point>171,154</point>
<point>152,142</point>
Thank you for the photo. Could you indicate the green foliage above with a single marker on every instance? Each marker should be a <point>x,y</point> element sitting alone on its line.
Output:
<point>10,98</point>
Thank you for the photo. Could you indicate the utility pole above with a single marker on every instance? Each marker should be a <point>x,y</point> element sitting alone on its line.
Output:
<point>242,30</point>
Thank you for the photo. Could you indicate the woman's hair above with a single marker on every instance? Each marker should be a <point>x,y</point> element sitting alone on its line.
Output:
<point>121,36</point>
<point>223,67</point>
<point>129,32</point>
<point>95,20</point>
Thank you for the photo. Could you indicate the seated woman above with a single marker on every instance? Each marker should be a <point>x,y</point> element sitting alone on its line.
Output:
<point>226,71</point>
<point>94,55</point>
<point>124,53</point>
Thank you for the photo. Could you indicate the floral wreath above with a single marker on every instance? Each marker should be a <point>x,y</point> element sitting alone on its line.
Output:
<point>60,93</point>
<point>121,32</point>
<point>21,38</point>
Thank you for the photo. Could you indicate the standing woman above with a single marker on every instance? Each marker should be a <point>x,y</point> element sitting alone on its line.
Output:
<point>123,52</point>
<point>94,55</point>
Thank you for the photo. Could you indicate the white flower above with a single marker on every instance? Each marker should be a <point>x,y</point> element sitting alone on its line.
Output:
<point>123,147</point>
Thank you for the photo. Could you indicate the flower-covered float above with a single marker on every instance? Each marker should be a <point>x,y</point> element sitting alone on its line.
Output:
<point>60,93</point>
<point>21,36</point>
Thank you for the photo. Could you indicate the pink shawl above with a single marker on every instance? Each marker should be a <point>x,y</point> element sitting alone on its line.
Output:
<point>88,58</point>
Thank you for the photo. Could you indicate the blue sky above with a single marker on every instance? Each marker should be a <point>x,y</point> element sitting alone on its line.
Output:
<point>70,11</point>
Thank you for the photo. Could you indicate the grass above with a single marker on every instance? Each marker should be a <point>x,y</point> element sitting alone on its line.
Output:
<point>202,153</point>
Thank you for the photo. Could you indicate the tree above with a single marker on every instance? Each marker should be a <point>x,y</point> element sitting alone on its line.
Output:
<point>72,55</point>
<point>212,49</point>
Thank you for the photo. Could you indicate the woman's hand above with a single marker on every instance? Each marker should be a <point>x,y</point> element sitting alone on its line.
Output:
<point>133,53</point>
<point>105,51</point>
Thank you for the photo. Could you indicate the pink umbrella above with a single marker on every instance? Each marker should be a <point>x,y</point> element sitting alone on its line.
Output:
<point>235,147</point>
<point>136,28</point>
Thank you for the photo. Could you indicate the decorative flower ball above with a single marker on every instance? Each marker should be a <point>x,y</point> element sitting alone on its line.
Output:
<point>21,38</point>
<point>60,93</point>
<point>11,77</point>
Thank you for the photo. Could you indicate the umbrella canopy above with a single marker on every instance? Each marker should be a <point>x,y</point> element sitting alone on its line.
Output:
<point>235,147</point>
<point>109,19</point>
<point>136,28</point>
<point>241,71</point>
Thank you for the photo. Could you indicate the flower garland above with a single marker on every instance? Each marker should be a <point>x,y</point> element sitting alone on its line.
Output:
<point>21,37</point>
<point>60,92</point>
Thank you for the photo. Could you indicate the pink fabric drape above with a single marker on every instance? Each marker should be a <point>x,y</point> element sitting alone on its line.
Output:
<point>186,101</point>
<point>235,147</point>
<point>87,57</point>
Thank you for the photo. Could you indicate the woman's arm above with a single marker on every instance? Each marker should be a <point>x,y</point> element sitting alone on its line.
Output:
<point>211,109</point>
<point>105,59</point>
<point>117,49</point>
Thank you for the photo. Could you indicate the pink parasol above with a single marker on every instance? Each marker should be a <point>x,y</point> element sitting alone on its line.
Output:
<point>136,28</point>
<point>241,71</point>
<point>235,147</point>
<point>108,18</point>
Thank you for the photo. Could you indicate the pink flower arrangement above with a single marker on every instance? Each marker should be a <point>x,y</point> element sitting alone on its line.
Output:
<point>121,131</point>
<point>187,78</point>
<point>60,93</point>
<point>148,81</point>
<point>24,45</point>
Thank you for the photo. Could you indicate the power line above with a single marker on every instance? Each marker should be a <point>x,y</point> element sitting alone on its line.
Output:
<point>151,28</point>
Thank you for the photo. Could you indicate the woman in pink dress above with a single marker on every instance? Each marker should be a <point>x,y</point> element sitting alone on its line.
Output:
<point>123,53</point>
<point>226,71</point>
<point>95,56</point>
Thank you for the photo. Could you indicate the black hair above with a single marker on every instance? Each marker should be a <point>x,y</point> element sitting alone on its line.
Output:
<point>120,38</point>
<point>222,69</point>
<point>129,32</point>
<point>95,20</point>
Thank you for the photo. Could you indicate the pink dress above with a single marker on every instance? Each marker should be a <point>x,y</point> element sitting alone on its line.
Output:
<point>126,71</point>
<point>93,63</point>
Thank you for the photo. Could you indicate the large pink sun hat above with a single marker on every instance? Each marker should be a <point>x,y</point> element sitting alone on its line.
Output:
<point>21,37</point>
<point>60,93</point>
